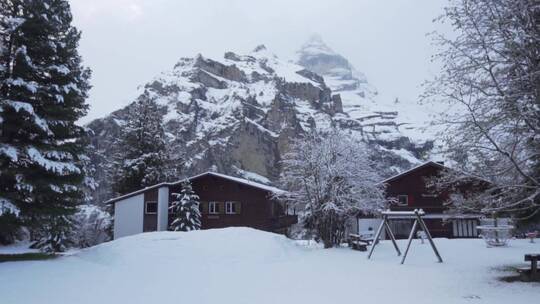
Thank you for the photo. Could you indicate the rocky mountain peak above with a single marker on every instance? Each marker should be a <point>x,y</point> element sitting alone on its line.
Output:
<point>315,46</point>
<point>238,114</point>
<point>259,48</point>
<point>316,56</point>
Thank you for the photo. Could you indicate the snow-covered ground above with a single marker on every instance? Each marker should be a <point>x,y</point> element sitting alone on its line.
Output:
<point>241,265</point>
<point>18,248</point>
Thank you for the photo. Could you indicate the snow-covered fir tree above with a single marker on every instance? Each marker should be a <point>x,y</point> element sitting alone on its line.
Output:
<point>142,158</point>
<point>92,223</point>
<point>10,222</point>
<point>490,78</point>
<point>330,177</point>
<point>9,214</point>
<point>101,167</point>
<point>185,209</point>
<point>43,88</point>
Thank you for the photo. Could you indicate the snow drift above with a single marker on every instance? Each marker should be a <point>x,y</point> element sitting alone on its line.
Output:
<point>241,265</point>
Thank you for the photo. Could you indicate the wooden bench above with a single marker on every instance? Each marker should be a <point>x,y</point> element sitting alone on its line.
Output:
<point>356,242</point>
<point>367,236</point>
<point>533,271</point>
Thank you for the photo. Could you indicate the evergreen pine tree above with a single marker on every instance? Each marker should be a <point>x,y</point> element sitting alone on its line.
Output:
<point>9,220</point>
<point>142,158</point>
<point>43,87</point>
<point>185,208</point>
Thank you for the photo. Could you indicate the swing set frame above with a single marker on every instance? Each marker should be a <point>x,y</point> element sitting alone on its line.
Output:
<point>417,215</point>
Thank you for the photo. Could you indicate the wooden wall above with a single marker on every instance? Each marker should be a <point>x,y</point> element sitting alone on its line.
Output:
<point>150,220</point>
<point>420,196</point>
<point>257,210</point>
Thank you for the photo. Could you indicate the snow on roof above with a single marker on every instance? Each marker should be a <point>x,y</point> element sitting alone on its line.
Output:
<point>228,177</point>
<point>428,163</point>
<point>442,216</point>
<point>437,164</point>
<point>241,181</point>
<point>119,198</point>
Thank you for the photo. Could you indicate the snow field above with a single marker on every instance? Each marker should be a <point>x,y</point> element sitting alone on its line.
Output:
<point>241,265</point>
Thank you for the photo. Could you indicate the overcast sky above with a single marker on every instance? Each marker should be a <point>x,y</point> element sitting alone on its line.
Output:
<point>127,42</point>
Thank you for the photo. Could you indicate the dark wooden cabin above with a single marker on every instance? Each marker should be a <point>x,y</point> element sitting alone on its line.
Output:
<point>225,201</point>
<point>409,190</point>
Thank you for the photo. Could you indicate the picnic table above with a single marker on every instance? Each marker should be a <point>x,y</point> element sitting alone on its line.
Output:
<point>533,258</point>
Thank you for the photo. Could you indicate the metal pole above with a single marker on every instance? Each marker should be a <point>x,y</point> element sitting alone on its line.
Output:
<point>424,227</point>
<point>411,235</point>
<point>377,235</point>
<point>392,237</point>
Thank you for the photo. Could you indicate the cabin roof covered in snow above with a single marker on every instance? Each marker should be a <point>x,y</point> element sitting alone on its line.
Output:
<point>432,164</point>
<point>227,177</point>
<point>426,164</point>
<point>239,180</point>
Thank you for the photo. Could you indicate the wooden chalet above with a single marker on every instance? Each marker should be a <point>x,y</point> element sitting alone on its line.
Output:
<point>409,190</point>
<point>225,201</point>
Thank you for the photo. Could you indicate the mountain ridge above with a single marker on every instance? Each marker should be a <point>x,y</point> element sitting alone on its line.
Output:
<point>237,115</point>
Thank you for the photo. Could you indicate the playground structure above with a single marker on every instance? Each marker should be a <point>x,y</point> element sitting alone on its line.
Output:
<point>496,236</point>
<point>417,215</point>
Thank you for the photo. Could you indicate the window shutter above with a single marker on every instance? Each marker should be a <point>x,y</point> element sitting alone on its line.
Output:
<point>238,207</point>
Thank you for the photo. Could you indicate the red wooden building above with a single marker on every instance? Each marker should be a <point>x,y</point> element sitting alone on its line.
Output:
<point>225,201</point>
<point>408,191</point>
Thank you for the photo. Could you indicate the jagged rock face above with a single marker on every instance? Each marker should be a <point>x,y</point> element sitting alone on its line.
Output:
<point>378,120</point>
<point>239,114</point>
<point>316,56</point>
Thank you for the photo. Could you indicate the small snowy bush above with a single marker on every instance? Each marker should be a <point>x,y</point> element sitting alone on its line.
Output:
<point>185,208</point>
<point>92,226</point>
<point>52,233</point>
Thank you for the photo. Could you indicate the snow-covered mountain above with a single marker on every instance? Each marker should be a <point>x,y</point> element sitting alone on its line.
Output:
<point>238,114</point>
<point>381,117</point>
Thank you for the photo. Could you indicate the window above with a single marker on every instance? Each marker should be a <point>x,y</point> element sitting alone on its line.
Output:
<point>231,208</point>
<point>150,208</point>
<point>403,199</point>
<point>213,207</point>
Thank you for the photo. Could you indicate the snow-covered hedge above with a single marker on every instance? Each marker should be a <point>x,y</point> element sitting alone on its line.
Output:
<point>92,226</point>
